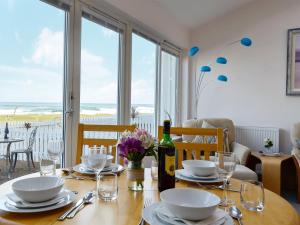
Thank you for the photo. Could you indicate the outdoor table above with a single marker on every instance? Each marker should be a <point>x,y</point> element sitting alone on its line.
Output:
<point>127,209</point>
<point>9,141</point>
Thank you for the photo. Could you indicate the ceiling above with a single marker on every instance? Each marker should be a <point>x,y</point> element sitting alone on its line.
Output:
<point>193,13</point>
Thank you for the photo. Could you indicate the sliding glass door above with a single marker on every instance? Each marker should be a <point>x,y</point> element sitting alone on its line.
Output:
<point>33,74</point>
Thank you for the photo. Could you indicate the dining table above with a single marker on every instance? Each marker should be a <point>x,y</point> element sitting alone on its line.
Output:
<point>127,209</point>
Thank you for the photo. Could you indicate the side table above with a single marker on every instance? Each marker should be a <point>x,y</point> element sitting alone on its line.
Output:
<point>276,171</point>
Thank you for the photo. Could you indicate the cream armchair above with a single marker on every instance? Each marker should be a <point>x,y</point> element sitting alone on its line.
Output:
<point>242,152</point>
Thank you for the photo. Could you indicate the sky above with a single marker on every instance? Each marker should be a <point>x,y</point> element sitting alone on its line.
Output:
<point>31,57</point>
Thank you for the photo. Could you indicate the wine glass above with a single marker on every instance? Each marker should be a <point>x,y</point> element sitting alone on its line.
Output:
<point>225,163</point>
<point>96,160</point>
<point>55,149</point>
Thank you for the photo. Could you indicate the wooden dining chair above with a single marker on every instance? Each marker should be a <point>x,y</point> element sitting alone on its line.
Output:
<point>88,141</point>
<point>188,150</point>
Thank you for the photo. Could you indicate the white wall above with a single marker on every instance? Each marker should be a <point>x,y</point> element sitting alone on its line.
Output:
<point>255,92</point>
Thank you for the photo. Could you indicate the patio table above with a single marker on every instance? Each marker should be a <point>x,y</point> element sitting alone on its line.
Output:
<point>127,209</point>
<point>9,141</point>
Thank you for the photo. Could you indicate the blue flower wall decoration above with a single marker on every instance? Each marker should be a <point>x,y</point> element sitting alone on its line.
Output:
<point>245,41</point>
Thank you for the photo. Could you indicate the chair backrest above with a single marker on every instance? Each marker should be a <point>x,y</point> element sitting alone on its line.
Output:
<point>32,139</point>
<point>82,141</point>
<point>190,150</point>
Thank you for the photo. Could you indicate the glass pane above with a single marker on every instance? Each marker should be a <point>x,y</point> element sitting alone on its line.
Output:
<point>31,76</point>
<point>143,83</point>
<point>168,86</point>
<point>99,76</point>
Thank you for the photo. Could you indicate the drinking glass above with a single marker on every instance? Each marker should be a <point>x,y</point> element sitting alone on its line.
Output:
<point>252,195</point>
<point>55,149</point>
<point>47,165</point>
<point>154,170</point>
<point>96,160</point>
<point>225,163</point>
<point>108,186</point>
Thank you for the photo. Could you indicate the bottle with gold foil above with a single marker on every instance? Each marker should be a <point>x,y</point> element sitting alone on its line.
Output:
<point>166,160</point>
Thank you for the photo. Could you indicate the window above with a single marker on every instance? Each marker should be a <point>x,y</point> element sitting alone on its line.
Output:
<point>32,72</point>
<point>99,72</point>
<point>143,83</point>
<point>168,86</point>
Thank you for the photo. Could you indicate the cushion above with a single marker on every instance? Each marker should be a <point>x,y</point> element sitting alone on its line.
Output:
<point>218,122</point>
<point>244,173</point>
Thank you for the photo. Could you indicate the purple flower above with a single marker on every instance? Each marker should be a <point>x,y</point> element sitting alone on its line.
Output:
<point>131,148</point>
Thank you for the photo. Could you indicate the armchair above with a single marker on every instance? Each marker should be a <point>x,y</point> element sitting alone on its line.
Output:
<point>242,152</point>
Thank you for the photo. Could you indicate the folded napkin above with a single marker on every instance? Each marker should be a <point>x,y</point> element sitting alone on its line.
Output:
<point>164,214</point>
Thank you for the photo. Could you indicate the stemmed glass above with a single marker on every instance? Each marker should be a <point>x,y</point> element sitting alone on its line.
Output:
<point>55,149</point>
<point>225,163</point>
<point>96,160</point>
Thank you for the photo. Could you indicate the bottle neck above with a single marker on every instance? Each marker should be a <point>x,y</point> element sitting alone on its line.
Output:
<point>166,136</point>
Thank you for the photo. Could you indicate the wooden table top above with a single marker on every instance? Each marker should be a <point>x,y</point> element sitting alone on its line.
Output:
<point>275,159</point>
<point>126,210</point>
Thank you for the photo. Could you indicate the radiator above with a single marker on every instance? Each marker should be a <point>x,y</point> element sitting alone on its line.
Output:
<point>253,137</point>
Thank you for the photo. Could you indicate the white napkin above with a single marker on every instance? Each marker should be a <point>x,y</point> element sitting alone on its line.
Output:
<point>164,214</point>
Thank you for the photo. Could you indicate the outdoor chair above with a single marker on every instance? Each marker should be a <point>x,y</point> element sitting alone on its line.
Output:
<point>27,151</point>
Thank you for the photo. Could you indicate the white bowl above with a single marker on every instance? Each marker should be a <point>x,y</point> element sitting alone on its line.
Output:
<point>38,189</point>
<point>109,160</point>
<point>199,167</point>
<point>190,204</point>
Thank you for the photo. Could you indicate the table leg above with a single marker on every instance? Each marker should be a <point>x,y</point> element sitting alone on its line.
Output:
<point>8,160</point>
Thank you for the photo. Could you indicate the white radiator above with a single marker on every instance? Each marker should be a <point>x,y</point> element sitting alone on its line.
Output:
<point>253,137</point>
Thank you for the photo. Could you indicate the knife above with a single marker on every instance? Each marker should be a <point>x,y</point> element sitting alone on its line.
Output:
<point>64,216</point>
<point>86,200</point>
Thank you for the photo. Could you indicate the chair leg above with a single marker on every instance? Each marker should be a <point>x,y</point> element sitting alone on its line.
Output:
<point>31,156</point>
<point>15,161</point>
<point>28,162</point>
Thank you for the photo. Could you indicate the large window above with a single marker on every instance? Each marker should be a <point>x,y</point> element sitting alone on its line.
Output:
<point>168,86</point>
<point>143,82</point>
<point>32,69</point>
<point>99,72</point>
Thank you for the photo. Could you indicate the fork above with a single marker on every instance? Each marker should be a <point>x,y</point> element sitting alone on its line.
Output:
<point>147,203</point>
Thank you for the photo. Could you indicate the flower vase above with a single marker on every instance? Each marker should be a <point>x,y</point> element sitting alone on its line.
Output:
<point>135,176</point>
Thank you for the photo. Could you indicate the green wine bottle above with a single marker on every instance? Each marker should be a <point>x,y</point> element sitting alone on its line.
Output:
<point>166,160</point>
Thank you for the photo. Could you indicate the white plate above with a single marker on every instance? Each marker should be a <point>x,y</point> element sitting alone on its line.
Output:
<point>68,199</point>
<point>180,176</point>
<point>188,174</point>
<point>80,168</point>
<point>150,216</point>
<point>276,154</point>
<point>19,203</point>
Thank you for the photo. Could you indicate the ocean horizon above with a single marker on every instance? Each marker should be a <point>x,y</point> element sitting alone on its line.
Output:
<point>26,108</point>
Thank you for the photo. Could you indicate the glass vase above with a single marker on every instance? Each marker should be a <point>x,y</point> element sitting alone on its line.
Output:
<point>135,176</point>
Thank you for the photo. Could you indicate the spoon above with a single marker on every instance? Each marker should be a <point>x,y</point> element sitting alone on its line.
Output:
<point>235,213</point>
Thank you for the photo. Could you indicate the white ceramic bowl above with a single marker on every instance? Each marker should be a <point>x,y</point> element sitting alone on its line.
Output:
<point>109,160</point>
<point>199,167</point>
<point>38,189</point>
<point>190,204</point>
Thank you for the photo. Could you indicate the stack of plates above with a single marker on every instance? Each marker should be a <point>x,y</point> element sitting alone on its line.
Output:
<point>186,175</point>
<point>12,203</point>
<point>81,168</point>
<point>158,214</point>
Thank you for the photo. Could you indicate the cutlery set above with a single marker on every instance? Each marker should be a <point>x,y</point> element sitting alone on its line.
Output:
<point>87,199</point>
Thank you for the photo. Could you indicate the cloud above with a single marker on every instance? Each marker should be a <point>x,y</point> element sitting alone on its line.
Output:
<point>92,65</point>
<point>102,92</point>
<point>49,49</point>
<point>142,92</point>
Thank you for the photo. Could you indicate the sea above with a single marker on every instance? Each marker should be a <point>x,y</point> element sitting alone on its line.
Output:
<point>26,108</point>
